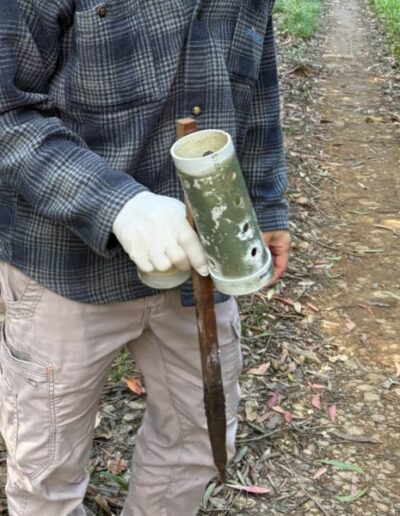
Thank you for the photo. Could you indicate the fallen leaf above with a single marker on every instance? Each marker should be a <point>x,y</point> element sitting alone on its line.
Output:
<point>135,385</point>
<point>368,308</point>
<point>120,481</point>
<point>278,409</point>
<point>250,489</point>
<point>388,228</point>
<point>104,436</point>
<point>368,250</point>
<point>271,421</point>
<point>256,427</point>
<point>338,358</point>
<point>320,471</point>
<point>308,355</point>
<point>117,465</point>
<point>332,413</point>
<point>297,307</point>
<point>270,293</point>
<point>98,420</point>
<point>313,307</point>
<point>288,416</point>
<point>316,401</point>
<point>303,201</point>
<point>102,502</point>
<point>260,370</point>
<point>209,491</point>
<point>273,400</point>
<point>352,497</point>
<point>354,438</point>
<point>250,409</point>
<point>283,300</point>
<point>240,454</point>
<point>344,466</point>
<point>392,223</point>
<point>350,325</point>
<point>137,405</point>
<point>371,119</point>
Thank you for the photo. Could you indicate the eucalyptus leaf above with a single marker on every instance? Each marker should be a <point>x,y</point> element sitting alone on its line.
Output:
<point>353,497</point>
<point>120,481</point>
<point>209,491</point>
<point>342,465</point>
<point>241,453</point>
<point>256,427</point>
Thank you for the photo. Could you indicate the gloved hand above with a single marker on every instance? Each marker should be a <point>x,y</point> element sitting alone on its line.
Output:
<point>155,233</point>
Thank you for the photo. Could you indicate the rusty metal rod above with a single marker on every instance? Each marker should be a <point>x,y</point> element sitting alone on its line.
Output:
<point>214,398</point>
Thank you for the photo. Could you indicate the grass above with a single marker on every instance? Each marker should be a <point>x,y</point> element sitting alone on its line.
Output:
<point>389,12</point>
<point>122,366</point>
<point>299,18</point>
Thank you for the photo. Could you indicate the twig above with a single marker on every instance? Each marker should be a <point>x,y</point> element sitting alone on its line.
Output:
<point>306,493</point>
<point>264,435</point>
<point>327,246</point>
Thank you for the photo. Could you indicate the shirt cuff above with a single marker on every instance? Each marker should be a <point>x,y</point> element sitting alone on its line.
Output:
<point>124,188</point>
<point>272,217</point>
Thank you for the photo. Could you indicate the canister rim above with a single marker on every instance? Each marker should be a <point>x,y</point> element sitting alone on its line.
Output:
<point>197,134</point>
<point>198,153</point>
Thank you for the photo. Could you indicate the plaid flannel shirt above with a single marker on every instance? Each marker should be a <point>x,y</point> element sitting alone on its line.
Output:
<point>89,95</point>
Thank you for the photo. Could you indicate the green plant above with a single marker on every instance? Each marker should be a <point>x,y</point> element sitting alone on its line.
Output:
<point>299,18</point>
<point>122,366</point>
<point>389,12</point>
<point>119,481</point>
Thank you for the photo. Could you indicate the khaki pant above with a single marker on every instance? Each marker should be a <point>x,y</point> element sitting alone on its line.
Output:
<point>55,355</point>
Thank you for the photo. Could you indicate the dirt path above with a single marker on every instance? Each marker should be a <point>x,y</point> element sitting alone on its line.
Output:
<point>362,146</point>
<point>359,150</point>
<point>344,151</point>
<point>361,310</point>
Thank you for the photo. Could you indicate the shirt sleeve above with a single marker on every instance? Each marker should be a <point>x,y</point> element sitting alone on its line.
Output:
<point>263,160</point>
<point>40,158</point>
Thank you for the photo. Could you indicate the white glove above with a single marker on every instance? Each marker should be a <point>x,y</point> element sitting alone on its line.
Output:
<point>155,233</point>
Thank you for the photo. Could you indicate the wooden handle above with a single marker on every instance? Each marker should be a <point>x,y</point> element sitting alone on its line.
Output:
<point>185,126</point>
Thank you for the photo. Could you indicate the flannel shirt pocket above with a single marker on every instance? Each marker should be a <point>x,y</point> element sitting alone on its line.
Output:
<point>248,39</point>
<point>113,65</point>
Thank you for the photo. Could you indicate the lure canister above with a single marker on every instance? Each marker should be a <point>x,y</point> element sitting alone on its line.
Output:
<point>171,278</point>
<point>212,179</point>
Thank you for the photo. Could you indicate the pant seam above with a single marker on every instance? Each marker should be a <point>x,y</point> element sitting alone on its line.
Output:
<point>181,436</point>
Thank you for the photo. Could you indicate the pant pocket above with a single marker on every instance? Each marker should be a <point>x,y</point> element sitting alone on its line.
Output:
<point>28,413</point>
<point>21,294</point>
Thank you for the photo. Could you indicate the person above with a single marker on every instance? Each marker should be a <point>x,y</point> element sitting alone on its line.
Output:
<point>89,94</point>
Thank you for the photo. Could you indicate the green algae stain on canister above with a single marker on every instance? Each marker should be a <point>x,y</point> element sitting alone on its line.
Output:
<point>216,191</point>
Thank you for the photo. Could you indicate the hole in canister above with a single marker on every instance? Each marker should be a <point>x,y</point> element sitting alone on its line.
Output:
<point>245,227</point>
<point>238,200</point>
<point>254,251</point>
<point>212,262</point>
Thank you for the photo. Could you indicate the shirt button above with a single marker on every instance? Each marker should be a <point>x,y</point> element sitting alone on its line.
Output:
<point>101,11</point>
<point>196,110</point>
